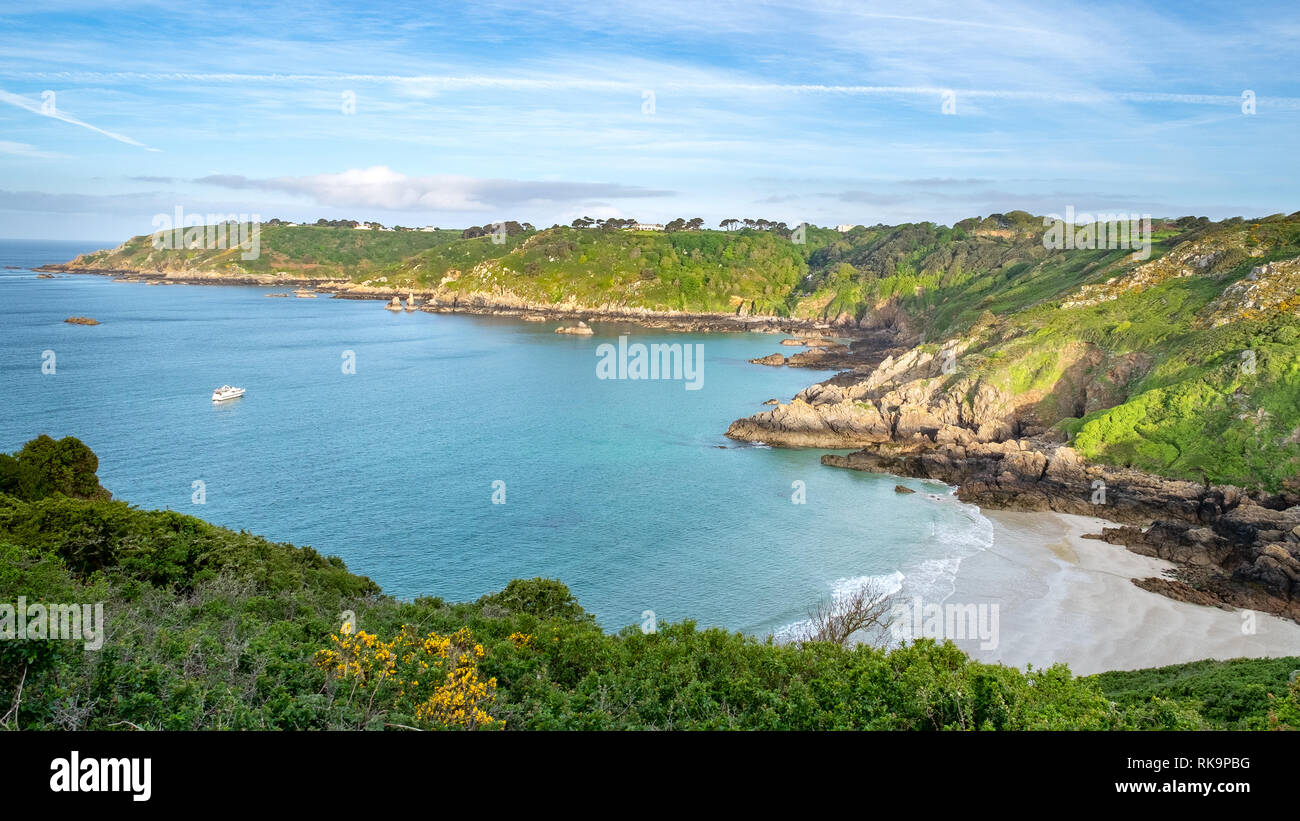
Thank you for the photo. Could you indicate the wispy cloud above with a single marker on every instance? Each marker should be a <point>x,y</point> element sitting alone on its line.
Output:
<point>25,150</point>
<point>432,83</point>
<point>54,113</point>
<point>828,108</point>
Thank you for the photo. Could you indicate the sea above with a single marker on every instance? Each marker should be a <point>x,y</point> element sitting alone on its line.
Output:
<point>444,455</point>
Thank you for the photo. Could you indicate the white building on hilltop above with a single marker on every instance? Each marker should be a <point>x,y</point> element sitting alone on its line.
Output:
<point>844,229</point>
<point>647,226</point>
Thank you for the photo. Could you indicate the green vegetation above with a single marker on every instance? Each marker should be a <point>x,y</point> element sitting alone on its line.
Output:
<point>1141,362</point>
<point>212,629</point>
<point>704,271</point>
<point>1243,694</point>
<point>303,251</point>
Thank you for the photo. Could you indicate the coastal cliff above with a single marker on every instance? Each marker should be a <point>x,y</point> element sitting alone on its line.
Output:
<point>1152,387</point>
<point>1160,397</point>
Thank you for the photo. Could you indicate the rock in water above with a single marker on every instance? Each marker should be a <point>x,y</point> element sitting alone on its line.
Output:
<point>395,304</point>
<point>581,328</point>
<point>776,360</point>
<point>81,320</point>
<point>903,489</point>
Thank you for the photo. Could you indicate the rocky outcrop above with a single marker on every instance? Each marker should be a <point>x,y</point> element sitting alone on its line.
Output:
<point>394,304</point>
<point>1268,289</point>
<point>898,399</point>
<point>915,415</point>
<point>1209,257</point>
<point>81,320</point>
<point>1180,591</point>
<point>581,329</point>
<point>775,359</point>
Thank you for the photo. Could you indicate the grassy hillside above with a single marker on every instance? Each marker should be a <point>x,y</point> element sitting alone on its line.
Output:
<point>695,270</point>
<point>1190,358</point>
<point>298,251</point>
<point>212,629</point>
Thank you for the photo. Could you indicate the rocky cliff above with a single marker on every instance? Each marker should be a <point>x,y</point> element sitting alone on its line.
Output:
<point>914,415</point>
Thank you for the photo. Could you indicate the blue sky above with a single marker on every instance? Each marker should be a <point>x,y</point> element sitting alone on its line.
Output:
<point>825,112</point>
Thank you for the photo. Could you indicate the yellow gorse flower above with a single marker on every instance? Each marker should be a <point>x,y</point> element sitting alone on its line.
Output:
<point>433,676</point>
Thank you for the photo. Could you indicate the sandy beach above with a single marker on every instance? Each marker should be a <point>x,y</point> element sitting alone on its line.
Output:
<point>1064,598</point>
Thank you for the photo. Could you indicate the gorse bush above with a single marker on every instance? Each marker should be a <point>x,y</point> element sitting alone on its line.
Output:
<point>433,677</point>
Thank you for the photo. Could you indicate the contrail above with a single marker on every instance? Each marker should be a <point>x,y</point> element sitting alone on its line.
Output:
<point>35,108</point>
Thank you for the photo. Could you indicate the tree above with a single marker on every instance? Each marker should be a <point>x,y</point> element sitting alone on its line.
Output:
<point>543,598</point>
<point>837,619</point>
<point>45,467</point>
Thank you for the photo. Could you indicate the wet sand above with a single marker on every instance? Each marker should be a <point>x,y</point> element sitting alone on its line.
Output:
<point>1064,598</point>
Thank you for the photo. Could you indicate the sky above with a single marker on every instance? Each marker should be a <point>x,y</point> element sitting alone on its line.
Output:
<point>818,111</point>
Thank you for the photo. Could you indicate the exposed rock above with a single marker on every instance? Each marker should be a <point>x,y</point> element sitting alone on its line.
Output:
<point>772,402</point>
<point>395,304</point>
<point>1267,290</point>
<point>1180,591</point>
<point>81,320</point>
<point>582,329</point>
<point>903,489</point>
<point>775,359</point>
<point>911,415</point>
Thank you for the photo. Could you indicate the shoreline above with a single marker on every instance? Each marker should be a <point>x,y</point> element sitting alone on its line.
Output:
<point>1063,597</point>
<point>484,304</point>
<point>1000,511</point>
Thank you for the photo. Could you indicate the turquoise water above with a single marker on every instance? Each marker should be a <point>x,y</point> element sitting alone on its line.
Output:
<point>617,487</point>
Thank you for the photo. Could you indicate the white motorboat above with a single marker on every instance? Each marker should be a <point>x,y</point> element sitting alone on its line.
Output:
<point>225,392</point>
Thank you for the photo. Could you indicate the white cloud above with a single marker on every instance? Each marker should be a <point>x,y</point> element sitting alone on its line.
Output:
<point>382,187</point>
<point>25,150</point>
